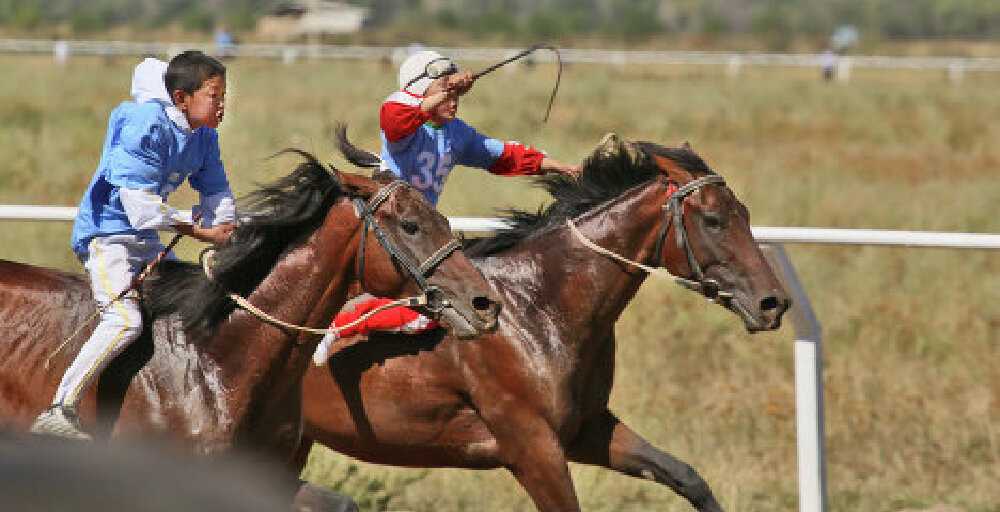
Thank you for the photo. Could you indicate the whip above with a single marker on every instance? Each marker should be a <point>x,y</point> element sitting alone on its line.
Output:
<point>520,55</point>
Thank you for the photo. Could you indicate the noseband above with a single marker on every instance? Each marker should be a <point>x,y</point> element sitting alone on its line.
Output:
<point>418,272</point>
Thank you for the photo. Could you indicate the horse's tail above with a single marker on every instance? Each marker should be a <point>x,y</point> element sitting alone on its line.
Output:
<point>352,153</point>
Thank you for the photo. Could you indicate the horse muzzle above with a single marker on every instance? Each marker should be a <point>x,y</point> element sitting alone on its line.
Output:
<point>464,321</point>
<point>759,313</point>
<point>759,310</point>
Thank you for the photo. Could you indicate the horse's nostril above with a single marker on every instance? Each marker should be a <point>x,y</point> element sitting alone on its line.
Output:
<point>769,303</point>
<point>481,303</point>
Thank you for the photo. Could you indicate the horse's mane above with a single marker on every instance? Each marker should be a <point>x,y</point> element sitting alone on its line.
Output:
<point>613,168</point>
<point>272,219</point>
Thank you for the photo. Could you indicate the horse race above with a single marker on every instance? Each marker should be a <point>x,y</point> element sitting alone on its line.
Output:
<point>619,255</point>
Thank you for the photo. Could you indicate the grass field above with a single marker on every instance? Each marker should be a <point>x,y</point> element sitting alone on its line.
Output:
<point>912,343</point>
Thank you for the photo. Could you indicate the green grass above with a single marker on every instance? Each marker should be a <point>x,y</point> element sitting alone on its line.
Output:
<point>911,336</point>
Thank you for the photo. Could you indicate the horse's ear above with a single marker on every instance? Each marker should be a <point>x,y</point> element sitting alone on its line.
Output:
<point>674,171</point>
<point>610,145</point>
<point>687,146</point>
<point>358,185</point>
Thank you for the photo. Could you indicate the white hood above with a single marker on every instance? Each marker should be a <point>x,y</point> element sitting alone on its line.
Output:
<point>147,85</point>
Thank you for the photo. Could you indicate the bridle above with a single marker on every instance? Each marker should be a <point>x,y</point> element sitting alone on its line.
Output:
<point>673,213</point>
<point>418,272</point>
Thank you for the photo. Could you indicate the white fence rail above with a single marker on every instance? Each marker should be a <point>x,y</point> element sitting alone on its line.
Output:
<point>62,50</point>
<point>808,335</point>
<point>771,235</point>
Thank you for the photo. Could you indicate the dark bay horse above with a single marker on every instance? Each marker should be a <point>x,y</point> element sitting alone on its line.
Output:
<point>534,395</point>
<point>215,377</point>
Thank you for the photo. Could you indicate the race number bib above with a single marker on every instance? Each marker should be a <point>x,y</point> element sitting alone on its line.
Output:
<point>431,171</point>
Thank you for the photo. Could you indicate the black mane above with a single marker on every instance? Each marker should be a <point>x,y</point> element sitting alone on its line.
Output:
<point>605,175</point>
<point>273,219</point>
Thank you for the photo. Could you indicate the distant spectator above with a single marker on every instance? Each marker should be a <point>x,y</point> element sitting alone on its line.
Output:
<point>828,61</point>
<point>225,45</point>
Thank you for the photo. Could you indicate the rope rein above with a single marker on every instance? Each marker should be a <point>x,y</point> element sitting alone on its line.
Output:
<point>654,271</point>
<point>206,264</point>
<point>613,255</point>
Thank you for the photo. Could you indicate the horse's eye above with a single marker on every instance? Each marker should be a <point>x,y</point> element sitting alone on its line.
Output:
<point>410,227</point>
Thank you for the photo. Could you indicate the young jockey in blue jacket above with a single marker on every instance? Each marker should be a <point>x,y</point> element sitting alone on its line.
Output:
<point>165,136</point>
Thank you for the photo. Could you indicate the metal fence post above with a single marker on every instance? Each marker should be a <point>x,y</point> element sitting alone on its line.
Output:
<point>844,65</point>
<point>808,385</point>
<point>60,52</point>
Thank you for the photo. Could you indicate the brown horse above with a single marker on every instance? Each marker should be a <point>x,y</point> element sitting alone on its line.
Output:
<point>215,377</point>
<point>535,394</point>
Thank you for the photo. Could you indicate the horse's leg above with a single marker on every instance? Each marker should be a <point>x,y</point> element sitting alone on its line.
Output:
<point>605,441</point>
<point>536,459</point>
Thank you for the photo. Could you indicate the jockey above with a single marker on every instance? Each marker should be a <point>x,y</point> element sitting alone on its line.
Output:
<point>153,144</point>
<point>422,140</point>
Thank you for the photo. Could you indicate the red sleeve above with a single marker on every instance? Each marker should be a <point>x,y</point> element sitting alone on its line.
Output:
<point>399,121</point>
<point>518,160</point>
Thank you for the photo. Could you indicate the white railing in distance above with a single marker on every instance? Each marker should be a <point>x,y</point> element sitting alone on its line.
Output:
<point>772,235</point>
<point>64,49</point>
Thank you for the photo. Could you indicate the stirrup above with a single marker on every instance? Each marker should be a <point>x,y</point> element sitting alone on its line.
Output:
<point>60,421</point>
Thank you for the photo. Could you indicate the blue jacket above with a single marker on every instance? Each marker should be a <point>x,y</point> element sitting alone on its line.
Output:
<point>146,153</point>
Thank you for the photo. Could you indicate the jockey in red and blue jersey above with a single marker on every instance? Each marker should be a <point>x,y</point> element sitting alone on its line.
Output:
<point>422,140</point>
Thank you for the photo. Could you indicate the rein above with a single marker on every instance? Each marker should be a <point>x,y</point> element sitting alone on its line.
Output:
<point>206,265</point>
<point>520,55</point>
<point>673,212</point>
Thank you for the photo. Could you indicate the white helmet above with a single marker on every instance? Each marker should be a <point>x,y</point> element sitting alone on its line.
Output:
<point>420,70</point>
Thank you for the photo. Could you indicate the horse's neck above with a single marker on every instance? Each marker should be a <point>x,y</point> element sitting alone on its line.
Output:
<point>583,293</point>
<point>262,365</point>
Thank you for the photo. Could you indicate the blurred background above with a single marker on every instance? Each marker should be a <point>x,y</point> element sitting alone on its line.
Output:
<point>841,113</point>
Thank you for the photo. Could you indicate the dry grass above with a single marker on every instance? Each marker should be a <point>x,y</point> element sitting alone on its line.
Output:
<point>911,336</point>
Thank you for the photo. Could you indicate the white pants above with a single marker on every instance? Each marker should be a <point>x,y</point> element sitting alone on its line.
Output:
<point>112,263</point>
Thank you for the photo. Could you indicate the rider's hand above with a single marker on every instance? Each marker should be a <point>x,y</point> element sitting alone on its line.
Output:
<point>551,165</point>
<point>219,235</point>
<point>460,82</point>
<point>573,171</point>
<point>216,235</point>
